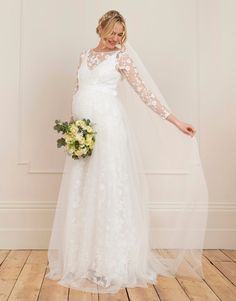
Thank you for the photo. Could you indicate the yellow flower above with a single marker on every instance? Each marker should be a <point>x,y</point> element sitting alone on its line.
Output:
<point>73,129</point>
<point>89,129</point>
<point>88,140</point>
<point>80,123</point>
<point>84,151</point>
<point>80,138</point>
<point>68,138</point>
<point>78,152</point>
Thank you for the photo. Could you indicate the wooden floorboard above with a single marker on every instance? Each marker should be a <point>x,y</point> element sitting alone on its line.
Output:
<point>22,278</point>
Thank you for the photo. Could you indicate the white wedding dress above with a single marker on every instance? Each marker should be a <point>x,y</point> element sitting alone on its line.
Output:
<point>100,236</point>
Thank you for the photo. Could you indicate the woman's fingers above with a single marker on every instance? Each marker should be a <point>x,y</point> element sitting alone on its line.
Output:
<point>189,129</point>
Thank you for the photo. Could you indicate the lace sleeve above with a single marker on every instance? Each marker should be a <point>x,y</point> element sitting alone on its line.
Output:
<point>128,69</point>
<point>77,77</point>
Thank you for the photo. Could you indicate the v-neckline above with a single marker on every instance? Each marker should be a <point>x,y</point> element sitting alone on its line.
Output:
<point>90,50</point>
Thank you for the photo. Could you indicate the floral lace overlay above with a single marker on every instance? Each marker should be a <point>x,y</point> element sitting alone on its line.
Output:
<point>94,58</point>
<point>128,69</point>
<point>125,65</point>
<point>82,55</point>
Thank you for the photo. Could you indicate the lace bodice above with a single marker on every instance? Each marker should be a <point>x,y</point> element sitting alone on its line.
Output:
<point>125,66</point>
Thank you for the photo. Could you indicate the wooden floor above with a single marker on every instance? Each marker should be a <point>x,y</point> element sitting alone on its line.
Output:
<point>22,277</point>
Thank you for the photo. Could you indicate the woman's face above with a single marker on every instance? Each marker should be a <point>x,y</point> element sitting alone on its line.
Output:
<point>116,36</point>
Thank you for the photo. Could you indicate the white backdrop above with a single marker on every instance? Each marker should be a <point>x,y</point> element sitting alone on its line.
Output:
<point>189,47</point>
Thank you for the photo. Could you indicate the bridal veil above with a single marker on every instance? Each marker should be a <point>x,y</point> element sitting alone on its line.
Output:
<point>173,158</point>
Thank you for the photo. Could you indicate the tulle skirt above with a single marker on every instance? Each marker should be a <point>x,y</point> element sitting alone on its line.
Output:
<point>100,234</point>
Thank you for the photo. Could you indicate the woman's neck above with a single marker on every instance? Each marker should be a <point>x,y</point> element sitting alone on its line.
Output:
<point>100,48</point>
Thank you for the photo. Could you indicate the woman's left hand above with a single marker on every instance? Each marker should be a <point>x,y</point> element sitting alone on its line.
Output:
<point>186,128</point>
<point>183,126</point>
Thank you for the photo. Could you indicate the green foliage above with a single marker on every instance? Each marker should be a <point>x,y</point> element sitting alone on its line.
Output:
<point>77,144</point>
<point>61,126</point>
<point>61,142</point>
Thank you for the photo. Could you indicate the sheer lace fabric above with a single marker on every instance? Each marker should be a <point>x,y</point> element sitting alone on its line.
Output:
<point>126,66</point>
<point>96,57</point>
<point>83,53</point>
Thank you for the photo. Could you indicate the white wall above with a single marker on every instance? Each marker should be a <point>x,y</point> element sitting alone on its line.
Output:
<point>188,45</point>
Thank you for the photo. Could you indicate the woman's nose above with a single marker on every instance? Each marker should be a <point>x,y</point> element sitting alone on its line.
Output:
<point>116,38</point>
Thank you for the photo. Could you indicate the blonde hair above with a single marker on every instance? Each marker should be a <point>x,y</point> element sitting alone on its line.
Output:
<point>107,23</point>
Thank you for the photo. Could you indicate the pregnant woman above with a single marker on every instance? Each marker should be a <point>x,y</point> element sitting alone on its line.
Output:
<point>100,239</point>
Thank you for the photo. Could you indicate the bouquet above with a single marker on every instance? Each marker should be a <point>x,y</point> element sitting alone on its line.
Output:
<point>78,137</point>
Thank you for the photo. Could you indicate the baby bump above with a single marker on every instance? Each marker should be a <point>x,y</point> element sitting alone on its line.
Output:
<point>104,110</point>
<point>101,107</point>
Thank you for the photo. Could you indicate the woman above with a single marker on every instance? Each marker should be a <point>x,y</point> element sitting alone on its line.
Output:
<point>100,240</point>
